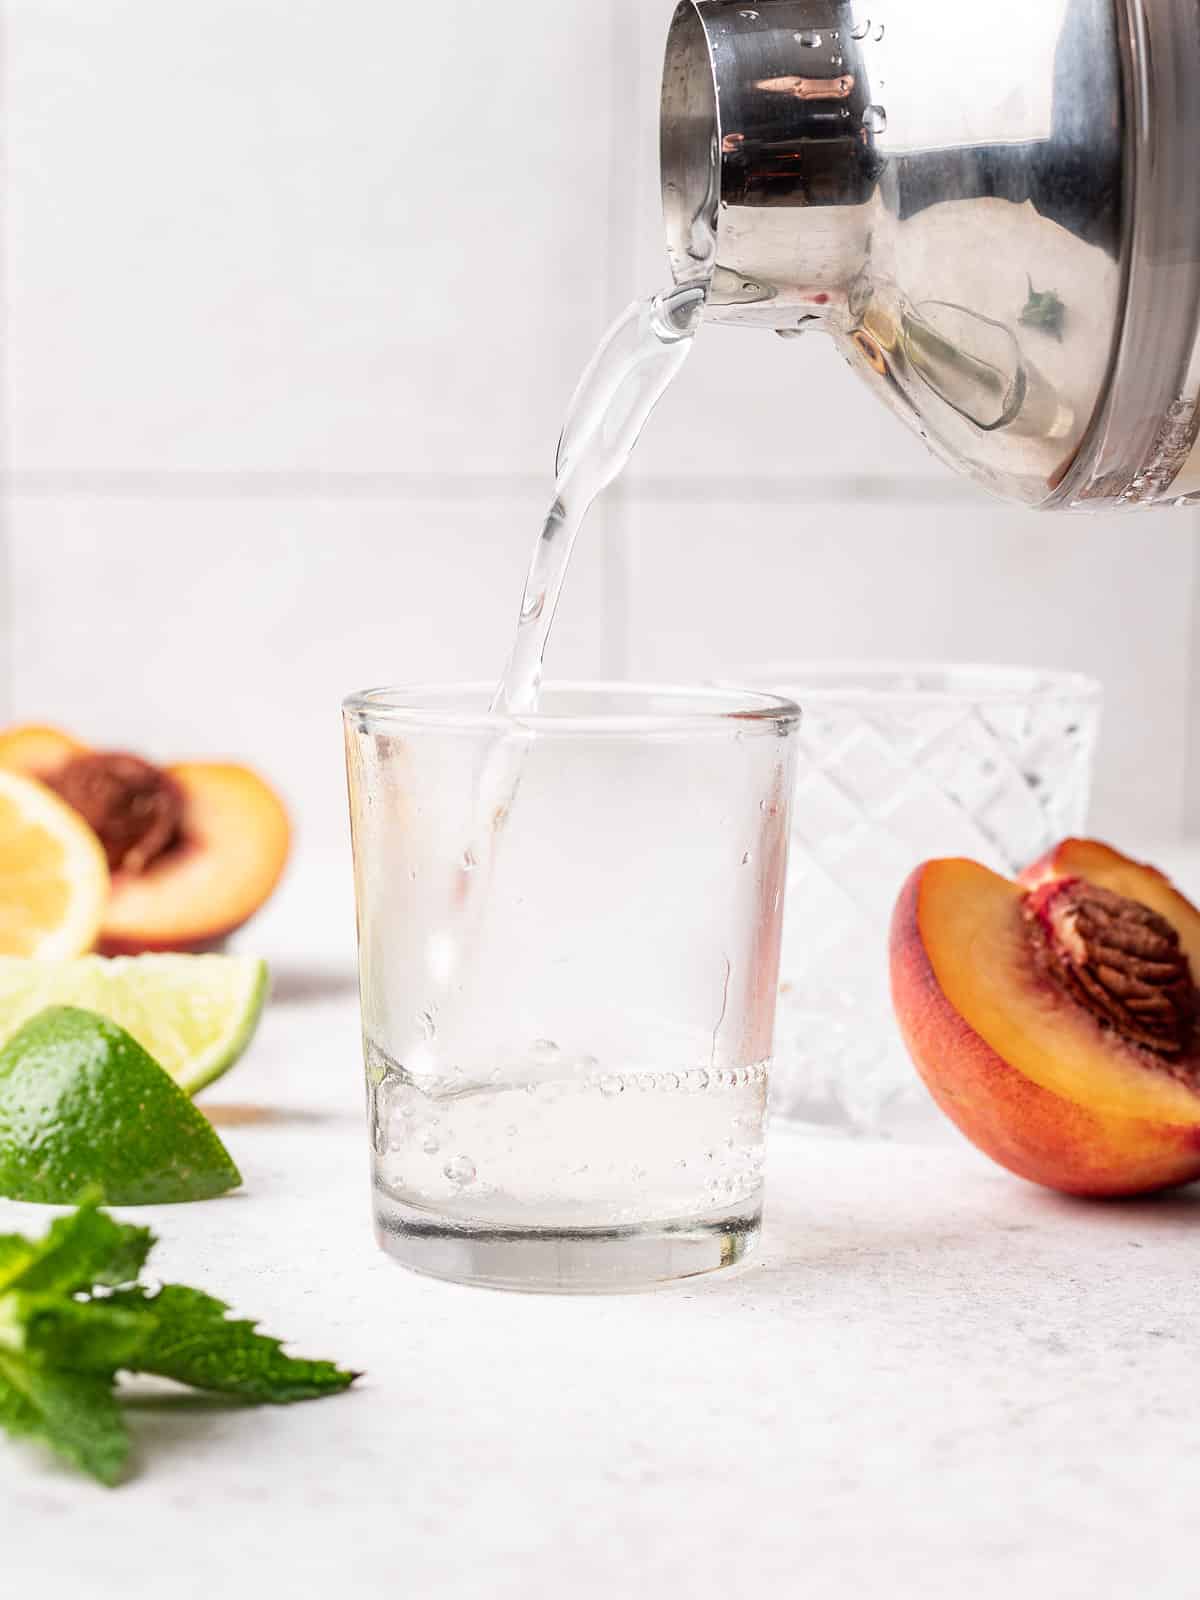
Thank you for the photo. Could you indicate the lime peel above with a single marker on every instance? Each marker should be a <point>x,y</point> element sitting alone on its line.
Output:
<point>85,1111</point>
<point>195,1014</point>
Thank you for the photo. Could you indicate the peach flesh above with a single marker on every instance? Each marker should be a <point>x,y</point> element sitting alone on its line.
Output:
<point>1024,1071</point>
<point>233,849</point>
<point>1101,864</point>
<point>233,844</point>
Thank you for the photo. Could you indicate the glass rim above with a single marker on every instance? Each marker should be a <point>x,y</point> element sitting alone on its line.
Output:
<point>734,709</point>
<point>963,682</point>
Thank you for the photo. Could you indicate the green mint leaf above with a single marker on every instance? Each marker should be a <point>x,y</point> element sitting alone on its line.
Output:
<point>75,1413</point>
<point>78,1252</point>
<point>16,1252</point>
<point>196,1343</point>
<point>75,1335</point>
<point>72,1315</point>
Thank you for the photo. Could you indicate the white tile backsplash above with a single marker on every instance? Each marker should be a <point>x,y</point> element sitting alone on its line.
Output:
<point>287,234</point>
<point>234,628</point>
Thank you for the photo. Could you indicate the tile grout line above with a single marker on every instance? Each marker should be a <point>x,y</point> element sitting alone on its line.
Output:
<point>702,489</point>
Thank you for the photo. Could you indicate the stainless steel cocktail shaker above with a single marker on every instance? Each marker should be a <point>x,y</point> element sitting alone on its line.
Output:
<point>993,209</point>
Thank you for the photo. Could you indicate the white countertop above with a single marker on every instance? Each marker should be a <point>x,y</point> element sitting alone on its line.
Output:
<point>934,1380</point>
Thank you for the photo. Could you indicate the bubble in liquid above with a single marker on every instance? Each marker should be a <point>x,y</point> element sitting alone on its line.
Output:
<point>468,863</point>
<point>875,119</point>
<point>746,858</point>
<point>428,1024</point>
<point>879,32</point>
<point>610,1084</point>
<point>430,1143</point>
<point>460,1170</point>
<point>860,30</point>
<point>750,16</point>
<point>810,39</point>
<point>544,1050</point>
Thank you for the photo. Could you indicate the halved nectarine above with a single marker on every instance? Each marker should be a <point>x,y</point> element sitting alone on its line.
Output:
<point>1057,1025</point>
<point>193,849</point>
<point>230,853</point>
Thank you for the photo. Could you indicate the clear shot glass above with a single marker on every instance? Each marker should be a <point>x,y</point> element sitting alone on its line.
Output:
<point>569,927</point>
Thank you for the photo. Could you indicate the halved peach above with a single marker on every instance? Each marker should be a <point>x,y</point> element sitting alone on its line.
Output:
<point>231,851</point>
<point>193,849</point>
<point>1029,1073</point>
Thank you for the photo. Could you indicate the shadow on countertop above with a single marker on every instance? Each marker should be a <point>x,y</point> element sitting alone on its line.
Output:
<point>299,985</point>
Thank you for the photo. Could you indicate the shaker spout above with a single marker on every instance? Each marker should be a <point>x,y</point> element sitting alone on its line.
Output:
<point>901,178</point>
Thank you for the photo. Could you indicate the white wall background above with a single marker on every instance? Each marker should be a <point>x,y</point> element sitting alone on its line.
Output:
<point>295,293</point>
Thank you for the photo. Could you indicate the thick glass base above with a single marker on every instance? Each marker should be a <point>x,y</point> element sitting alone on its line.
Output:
<point>565,1260</point>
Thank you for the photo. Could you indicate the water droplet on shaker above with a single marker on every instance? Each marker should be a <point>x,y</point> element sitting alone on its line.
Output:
<point>750,16</point>
<point>860,30</point>
<point>468,862</point>
<point>879,32</point>
<point>836,61</point>
<point>875,119</point>
<point>809,39</point>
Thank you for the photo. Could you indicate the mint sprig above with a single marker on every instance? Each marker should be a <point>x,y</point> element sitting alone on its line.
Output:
<point>72,1316</point>
<point>193,1341</point>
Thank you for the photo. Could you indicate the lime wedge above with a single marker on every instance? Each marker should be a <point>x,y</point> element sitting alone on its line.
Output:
<point>194,1014</point>
<point>84,1109</point>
